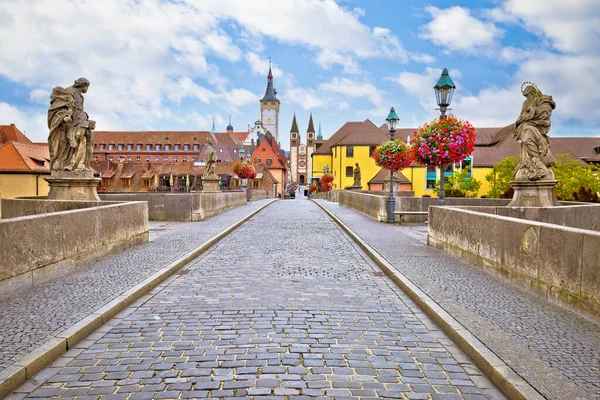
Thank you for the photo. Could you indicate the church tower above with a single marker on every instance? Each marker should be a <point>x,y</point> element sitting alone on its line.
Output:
<point>269,108</point>
<point>310,148</point>
<point>294,142</point>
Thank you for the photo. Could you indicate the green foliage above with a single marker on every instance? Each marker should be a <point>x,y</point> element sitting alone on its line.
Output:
<point>500,176</point>
<point>571,176</point>
<point>459,185</point>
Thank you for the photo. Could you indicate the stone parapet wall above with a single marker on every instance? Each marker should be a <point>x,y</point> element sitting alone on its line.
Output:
<point>182,206</point>
<point>36,248</point>
<point>258,194</point>
<point>369,204</point>
<point>22,206</point>
<point>559,262</point>
<point>582,216</point>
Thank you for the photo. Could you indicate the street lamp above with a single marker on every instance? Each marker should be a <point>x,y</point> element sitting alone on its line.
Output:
<point>444,89</point>
<point>242,151</point>
<point>392,119</point>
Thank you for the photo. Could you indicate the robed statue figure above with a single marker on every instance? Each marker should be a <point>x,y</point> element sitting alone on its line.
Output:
<point>71,131</point>
<point>211,160</point>
<point>356,174</point>
<point>531,131</point>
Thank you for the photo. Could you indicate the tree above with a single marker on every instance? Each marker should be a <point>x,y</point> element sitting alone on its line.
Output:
<point>460,184</point>
<point>572,175</point>
<point>501,175</point>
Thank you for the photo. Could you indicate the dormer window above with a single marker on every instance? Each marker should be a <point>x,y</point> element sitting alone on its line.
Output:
<point>186,147</point>
<point>120,147</point>
<point>167,147</point>
<point>101,147</point>
<point>111,146</point>
<point>177,147</point>
<point>129,147</point>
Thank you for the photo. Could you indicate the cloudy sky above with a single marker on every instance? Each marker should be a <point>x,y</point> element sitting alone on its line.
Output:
<point>176,64</point>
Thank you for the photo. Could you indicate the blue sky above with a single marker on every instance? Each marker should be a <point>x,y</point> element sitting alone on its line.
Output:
<point>173,65</point>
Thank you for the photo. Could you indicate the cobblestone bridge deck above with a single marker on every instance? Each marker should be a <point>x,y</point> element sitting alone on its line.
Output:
<point>286,307</point>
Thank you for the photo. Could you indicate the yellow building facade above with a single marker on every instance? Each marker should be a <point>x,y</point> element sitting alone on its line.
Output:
<point>19,185</point>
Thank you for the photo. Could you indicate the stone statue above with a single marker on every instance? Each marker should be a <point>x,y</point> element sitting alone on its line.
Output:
<point>71,140</point>
<point>356,174</point>
<point>211,160</point>
<point>531,131</point>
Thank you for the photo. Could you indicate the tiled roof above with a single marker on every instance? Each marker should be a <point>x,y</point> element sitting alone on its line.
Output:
<point>24,157</point>
<point>384,175</point>
<point>153,137</point>
<point>10,133</point>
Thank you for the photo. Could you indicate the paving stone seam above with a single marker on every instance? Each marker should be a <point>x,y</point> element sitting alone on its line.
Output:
<point>18,373</point>
<point>504,377</point>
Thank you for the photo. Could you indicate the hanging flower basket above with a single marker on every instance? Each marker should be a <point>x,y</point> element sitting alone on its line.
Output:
<point>325,182</point>
<point>443,142</point>
<point>244,170</point>
<point>393,155</point>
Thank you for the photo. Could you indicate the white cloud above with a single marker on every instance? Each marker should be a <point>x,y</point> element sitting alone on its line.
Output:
<point>238,98</point>
<point>40,96</point>
<point>455,29</point>
<point>571,26</point>
<point>260,66</point>
<point>306,98</point>
<point>327,58</point>
<point>33,124</point>
<point>353,89</point>
<point>389,46</point>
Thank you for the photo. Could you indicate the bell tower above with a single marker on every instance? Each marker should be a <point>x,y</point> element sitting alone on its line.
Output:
<point>269,107</point>
<point>294,143</point>
<point>310,148</point>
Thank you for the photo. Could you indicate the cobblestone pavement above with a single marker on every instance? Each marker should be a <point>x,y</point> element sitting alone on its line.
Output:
<point>29,318</point>
<point>286,307</point>
<point>554,349</point>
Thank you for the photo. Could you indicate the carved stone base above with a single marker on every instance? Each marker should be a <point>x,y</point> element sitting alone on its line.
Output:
<point>534,194</point>
<point>210,185</point>
<point>66,185</point>
<point>355,187</point>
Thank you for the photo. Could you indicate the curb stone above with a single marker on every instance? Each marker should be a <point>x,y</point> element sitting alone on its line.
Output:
<point>18,373</point>
<point>505,378</point>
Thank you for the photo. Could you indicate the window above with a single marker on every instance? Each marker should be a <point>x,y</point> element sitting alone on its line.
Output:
<point>234,151</point>
<point>95,158</point>
<point>255,184</point>
<point>146,182</point>
<point>129,147</point>
<point>110,158</point>
<point>371,150</point>
<point>148,147</point>
<point>111,146</point>
<point>196,147</point>
<point>175,159</point>
<point>467,164</point>
<point>184,159</point>
<point>269,162</point>
<point>138,147</point>
<point>166,159</point>
<point>121,159</point>
<point>220,150</point>
<point>147,158</point>
<point>349,151</point>
<point>155,159</point>
<point>105,182</point>
<point>125,182</point>
<point>167,147</point>
<point>177,147</point>
<point>120,147</point>
<point>186,147</point>
<point>431,177</point>
<point>101,147</point>
<point>349,171</point>
<point>193,159</point>
<point>138,159</point>
<point>157,147</point>
<point>129,159</point>
<point>293,135</point>
<point>258,160</point>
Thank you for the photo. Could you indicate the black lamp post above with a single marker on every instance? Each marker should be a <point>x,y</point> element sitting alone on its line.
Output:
<point>392,119</point>
<point>248,155</point>
<point>444,89</point>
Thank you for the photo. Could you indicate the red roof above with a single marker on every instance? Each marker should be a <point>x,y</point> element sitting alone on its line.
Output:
<point>10,133</point>
<point>24,157</point>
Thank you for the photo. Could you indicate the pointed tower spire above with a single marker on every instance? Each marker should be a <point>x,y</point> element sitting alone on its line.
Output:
<point>311,126</point>
<point>213,129</point>
<point>320,135</point>
<point>270,93</point>
<point>229,127</point>
<point>294,125</point>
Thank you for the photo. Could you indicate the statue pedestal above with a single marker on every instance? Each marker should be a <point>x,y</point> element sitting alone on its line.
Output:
<point>355,187</point>
<point>66,185</point>
<point>534,194</point>
<point>210,184</point>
